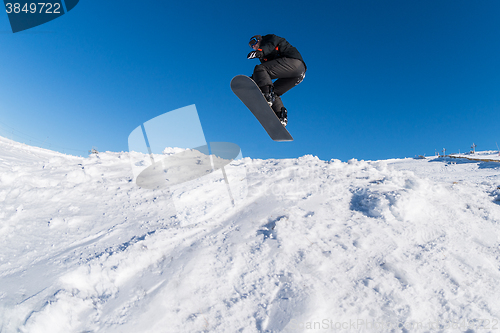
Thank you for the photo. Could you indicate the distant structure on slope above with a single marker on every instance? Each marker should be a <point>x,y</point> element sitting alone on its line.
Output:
<point>473,147</point>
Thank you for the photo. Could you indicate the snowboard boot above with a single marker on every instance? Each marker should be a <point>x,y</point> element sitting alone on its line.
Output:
<point>268,92</point>
<point>283,116</point>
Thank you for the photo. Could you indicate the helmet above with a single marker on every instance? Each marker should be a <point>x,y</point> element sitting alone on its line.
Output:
<point>254,40</point>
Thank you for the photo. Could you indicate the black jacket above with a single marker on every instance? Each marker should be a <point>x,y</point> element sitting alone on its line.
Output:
<point>274,47</point>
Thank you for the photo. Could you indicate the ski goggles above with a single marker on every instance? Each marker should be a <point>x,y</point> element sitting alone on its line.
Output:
<point>253,41</point>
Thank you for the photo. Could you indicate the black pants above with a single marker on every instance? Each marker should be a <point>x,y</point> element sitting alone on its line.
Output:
<point>288,72</point>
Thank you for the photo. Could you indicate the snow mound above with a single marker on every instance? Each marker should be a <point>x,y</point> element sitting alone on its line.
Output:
<point>311,245</point>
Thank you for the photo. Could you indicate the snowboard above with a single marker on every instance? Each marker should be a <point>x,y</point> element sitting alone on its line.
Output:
<point>249,93</point>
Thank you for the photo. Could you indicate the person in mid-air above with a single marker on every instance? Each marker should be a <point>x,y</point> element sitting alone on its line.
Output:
<point>278,60</point>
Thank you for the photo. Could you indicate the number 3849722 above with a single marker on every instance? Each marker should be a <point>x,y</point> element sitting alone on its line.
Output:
<point>39,8</point>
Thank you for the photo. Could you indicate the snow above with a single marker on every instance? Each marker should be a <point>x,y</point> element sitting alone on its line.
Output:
<point>308,246</point>
<point>487,156</point>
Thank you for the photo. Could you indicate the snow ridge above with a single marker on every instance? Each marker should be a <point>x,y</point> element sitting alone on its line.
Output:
<point>311,246</point>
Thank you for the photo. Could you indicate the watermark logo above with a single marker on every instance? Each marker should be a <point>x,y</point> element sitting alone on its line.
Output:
<point>365,325</point>
<point>170,149</point>
<point>28,14</point>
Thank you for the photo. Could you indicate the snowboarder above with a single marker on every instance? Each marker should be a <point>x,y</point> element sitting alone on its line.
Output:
<point>281,61</point>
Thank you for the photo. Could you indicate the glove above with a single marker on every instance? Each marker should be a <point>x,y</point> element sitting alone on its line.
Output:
<point>255,54</point>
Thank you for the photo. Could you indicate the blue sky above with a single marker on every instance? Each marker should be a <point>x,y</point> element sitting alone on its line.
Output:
<point>386,79</point>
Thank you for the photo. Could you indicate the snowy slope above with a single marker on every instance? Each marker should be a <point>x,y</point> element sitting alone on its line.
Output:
<point>489,156</point>
<point>310,246</point>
